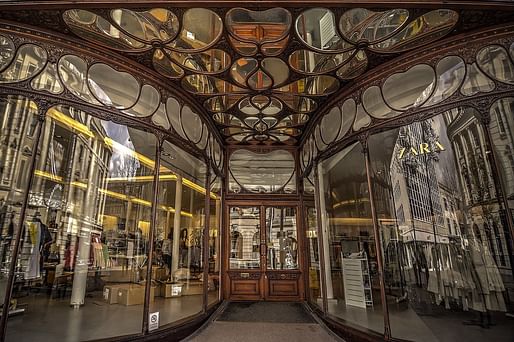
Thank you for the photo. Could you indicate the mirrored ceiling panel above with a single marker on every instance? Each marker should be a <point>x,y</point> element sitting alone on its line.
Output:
<point>268,70</point>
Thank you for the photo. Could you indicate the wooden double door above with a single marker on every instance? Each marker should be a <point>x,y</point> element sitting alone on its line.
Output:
<point>263,259</point>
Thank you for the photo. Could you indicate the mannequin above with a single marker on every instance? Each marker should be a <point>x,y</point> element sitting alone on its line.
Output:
<point>40,239</point>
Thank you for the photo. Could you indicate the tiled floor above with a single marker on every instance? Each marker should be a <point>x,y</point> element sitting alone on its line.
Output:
<point>284,322</point>
<point>54,320</point>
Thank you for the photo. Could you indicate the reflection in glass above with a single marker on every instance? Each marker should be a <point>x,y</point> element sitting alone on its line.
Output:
<point>94,28</point>
<point>201,28</point>
<point>476,81</point>
<point>316,27</point>
<point>262,172</point>
<point>442,229</point>
<point>312,85</point>
<point>495,62</point>
<point>215,242</point>
<point>330,125</point>
<point>191,124</point>
<point>276,69</point>
<point>160,118</point>
<point>147,103</point>
<point>313,254</point>
<point>48,80</point>
<point>298,104</point>
<point>221,103</point>
<point>19,126</point>
<point>351,266</point>
<point>73,72</point>
<point>6,51</point>
<point>362,119</point>
<point>423,30</point>
<point>112,87</point>
<point>348,110</point>
<point>210,61</point>
<point>154,24</point>
<point>355,67</point>
<point>244,249</point>
<point>86,229</point>
<point>242,68</point>
<point>450,75</point>
<point>258,26</point>
<point>282,239</point>
<point>207,85</point>
<point>374,104</point>
<point>177,270</point>
<point>29,60</point>
<point>163,64</point>
<point>410,88</point>
<point>310,62</point>
<point>360,24</point>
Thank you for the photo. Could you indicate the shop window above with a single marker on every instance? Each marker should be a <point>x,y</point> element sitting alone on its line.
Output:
<point>441,254</point>
<point>85,234</point>
<point>177,270</point>
<point>352,278</point>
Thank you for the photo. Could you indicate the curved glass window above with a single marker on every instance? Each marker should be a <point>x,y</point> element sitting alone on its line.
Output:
<point>85,232</point>
<point>351,265</point>
<point>435,193</point>
<point>177,270</point>
<point>262,172</point>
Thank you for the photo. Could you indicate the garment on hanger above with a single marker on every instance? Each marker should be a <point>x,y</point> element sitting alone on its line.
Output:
<point>33,230</point>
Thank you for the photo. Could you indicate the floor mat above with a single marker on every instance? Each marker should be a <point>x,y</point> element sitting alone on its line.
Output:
<point>270,312</point>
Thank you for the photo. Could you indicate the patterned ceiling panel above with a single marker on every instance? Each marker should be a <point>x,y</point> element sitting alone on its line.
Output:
<point>260,74</point>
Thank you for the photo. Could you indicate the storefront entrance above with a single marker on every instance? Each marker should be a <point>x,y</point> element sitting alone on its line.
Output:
<point>262,252</point>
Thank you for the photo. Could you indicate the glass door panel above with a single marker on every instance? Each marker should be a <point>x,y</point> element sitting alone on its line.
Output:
<point>282,240</point>
<point>245,238</point>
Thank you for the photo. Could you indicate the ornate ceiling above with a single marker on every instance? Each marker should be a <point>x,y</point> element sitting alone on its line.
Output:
<point>260,75</point>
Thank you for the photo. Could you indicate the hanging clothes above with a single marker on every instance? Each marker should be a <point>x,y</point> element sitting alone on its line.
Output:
<point>33,230</point>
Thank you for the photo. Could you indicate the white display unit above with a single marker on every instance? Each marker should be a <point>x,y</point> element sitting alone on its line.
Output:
<point>357,281</point>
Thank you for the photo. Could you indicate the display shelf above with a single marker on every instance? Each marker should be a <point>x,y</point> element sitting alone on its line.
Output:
<point>357,281</point>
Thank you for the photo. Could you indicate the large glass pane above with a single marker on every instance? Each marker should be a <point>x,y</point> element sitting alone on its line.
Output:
<point>215,241</point>
<point>353,289</point>
<point>442,230</point>
<point>18,131</point>
<point>177,272</point>
<point>85,234</point>
<point>245,230</point>
<point>262,172</point>
<point>313,260</point>
<point>282,238</point>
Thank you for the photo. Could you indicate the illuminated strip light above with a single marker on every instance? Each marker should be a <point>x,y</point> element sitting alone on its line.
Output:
<point>70,122</point>
<point>354,201</point>
<point>109,193</point>
<point>125,150</point>
<point>74,124</point>
<point>169,177</point>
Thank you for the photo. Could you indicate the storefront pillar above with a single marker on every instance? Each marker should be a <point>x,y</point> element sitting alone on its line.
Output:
<point>78,291</point>
<point>151,237</point>
<point>175,253</point>
<point>378,241</point>
<point>205,249</point>
<point>321,240</point>
<point>19,227</point>
<point>324,227</point>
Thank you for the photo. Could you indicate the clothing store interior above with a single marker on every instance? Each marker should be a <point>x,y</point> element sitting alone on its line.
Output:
<point>85,240</point>
<point>159,163</point>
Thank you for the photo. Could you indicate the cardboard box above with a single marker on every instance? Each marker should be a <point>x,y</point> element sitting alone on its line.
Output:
<point>111,293</point>
<point>169,290</point>
<point>134,294</point>
<point>158,273</point>
<point>192,288</point>
<point>121,276</point>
